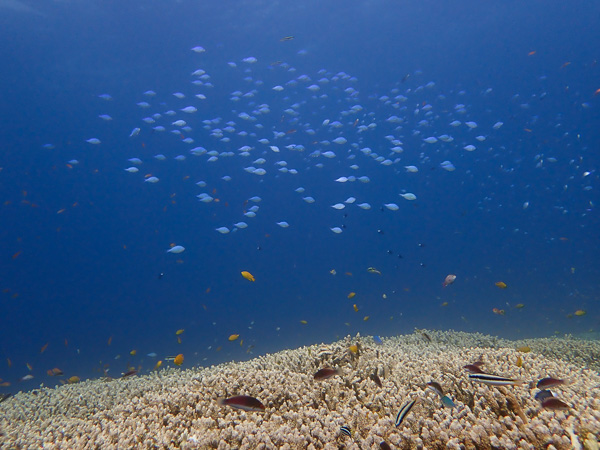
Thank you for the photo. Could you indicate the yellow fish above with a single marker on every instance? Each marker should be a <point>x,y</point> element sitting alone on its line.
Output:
<point>524,349</point>
<point>234,337</point>
<point>133,352</point>
<point>178,332</point>
<point>351,294</point>
<point>303,322</point>
<point>248,276</point>
<point>178,359</point>
<point>158,364</point>
<point>354,348</point>
<point>366,318</point>
<point>373,270</point>
<point>355,307</point>
<point>501,284</point>
<point>580,312</point>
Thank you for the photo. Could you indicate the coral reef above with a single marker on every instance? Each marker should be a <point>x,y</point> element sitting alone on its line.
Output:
<point>179,408</point>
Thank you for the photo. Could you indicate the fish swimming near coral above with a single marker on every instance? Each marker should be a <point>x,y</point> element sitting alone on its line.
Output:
<point>131,372</point>
<point>447,402</point>
<point>554,404</point>
<point>547,383</point>
<point>473,368</point>
<point>376,379</point>
<point>243,402</point>
<point>435,387</point>
<point>543,395</point>
<point>346,430</point>
<point>326,372</point>
<point>495,380</point>
<point>404,412</point>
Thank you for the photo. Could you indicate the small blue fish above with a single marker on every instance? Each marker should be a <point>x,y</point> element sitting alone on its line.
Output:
<point>377,340</point>
<point>447,402</point>
<point>543,395</point>
<point>346,430</point>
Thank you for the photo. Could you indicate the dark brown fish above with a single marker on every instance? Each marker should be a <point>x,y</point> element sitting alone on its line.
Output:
<point>426,336</point>
<point>547,383</point>
<point>435,386</point>
<point>131,372</point>
<point>384,446</point>
<point>326,372</point>
<point>555,404</point>
<point>472,368</point>
<point>376,379</point>
<point>244,402</point>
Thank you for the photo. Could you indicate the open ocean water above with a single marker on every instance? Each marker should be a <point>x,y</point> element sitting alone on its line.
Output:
<point>435,138</point>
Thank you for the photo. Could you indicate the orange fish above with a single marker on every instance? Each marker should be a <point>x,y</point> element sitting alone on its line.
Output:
<point>178,360</point>
<point>449,280</point>
<point>248,276</point>
<point>501,284</point>
<point>234,337</point>
<point>597,92</point>
<point>44,347</point>
<point>531,53</point>
<point>500,312</point>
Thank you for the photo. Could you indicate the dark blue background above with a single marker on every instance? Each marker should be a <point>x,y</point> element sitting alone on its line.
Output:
<point>91,272</point>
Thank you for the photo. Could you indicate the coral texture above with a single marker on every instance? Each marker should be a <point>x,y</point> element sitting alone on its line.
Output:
<point>179,408</point>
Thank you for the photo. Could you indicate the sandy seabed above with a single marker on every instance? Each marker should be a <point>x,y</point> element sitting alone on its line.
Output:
<point>179,409</point>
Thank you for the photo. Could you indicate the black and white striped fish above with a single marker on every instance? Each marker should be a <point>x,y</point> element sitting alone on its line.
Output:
<point>404,411</point>
<point>346,430</point>
<point>495,380</point>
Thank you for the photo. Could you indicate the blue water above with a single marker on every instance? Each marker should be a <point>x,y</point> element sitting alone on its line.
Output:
<point>84,244</point>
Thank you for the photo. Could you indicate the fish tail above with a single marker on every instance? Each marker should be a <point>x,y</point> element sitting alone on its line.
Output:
<point>221,401</point>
